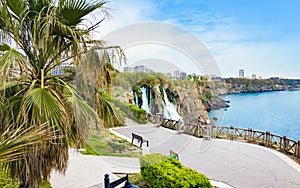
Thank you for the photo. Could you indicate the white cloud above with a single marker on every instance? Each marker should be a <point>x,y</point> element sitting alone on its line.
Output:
<point>124,13</point>
<point>233,45</point>
<point>263,59</point>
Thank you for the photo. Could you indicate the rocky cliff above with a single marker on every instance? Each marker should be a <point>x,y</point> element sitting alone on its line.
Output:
<point>191,100</point>
<point>190,105</point>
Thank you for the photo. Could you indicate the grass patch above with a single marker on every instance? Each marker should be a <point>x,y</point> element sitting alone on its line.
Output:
<point>137,179</point>
<point>6,182</point>
<point>105,143</point>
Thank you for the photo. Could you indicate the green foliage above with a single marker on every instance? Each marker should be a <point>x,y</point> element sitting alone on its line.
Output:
<point>206,97</point>
<point>186,83</point>
<point>255,85</point>
<point>126,79</point>
<point>136,88</point>
<point>137,179</point>
<point>43,35</point>
<point>172,95</point>
<point>107,112</point>
<point>162,171</point>
<point>132,111</point>
<point>6,181</point>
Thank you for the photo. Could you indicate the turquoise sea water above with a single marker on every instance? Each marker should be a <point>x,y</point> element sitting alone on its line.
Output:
<point>277,112</point>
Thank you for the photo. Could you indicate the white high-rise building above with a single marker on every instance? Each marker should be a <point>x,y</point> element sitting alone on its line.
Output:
<point>241,73</point>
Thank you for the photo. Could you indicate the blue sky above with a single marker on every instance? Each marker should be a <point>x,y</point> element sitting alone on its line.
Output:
<point>260,36</point>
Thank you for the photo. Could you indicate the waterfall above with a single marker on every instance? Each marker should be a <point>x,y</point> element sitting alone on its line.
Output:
<point>150,100</point>
<point>145,104</point>
<point>136,99</point>
<point>170,111</point>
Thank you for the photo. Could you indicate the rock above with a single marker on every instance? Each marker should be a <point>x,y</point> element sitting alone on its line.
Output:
<point>190,106</point>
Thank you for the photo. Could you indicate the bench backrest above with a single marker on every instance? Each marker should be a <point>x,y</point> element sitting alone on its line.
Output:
<point>173,154</point>
<point>108,184</point>
<point>137,137</point>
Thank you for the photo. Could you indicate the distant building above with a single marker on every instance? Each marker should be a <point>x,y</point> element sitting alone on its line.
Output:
<point>253,76</point>
<point>60,70</point>
<point>241,73</point>
<point>169,75</point>
<point>183,75</point>
<point>127,69</point>
<point>177,74</point>
<point>139,68</point>
<point>216,79</point>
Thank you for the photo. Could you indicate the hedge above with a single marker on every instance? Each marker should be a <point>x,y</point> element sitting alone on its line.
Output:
<point>159,170</point>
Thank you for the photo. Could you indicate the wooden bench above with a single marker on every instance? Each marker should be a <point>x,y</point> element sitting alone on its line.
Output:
<point>108,184</point>
<point>140,139</point>
<point>173,154</point>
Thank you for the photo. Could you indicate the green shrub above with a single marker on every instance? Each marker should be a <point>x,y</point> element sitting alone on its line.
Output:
<point>132,111</point>
<point>159,170</point>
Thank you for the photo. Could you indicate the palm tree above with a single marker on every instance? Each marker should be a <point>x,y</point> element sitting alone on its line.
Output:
<point>37,36</point>
<point>15,142</point>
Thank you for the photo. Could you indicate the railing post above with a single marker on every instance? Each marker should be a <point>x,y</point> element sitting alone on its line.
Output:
<point>268,138</point>
<point>106,181</point>
<point>231,133</point>
<point>128,183</point>
<point>298,149</point>
<point>179,126</point>
<point>284,143</point>
<point>249,134</point>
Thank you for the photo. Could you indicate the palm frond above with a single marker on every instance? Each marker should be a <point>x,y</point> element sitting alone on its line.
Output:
<point>15,142</point>
<point>106,111</point>
<point>10,58</point>
<point>40,105</point>
<point>83,115</point>
<point>17,7</point>
<point>72,12</point>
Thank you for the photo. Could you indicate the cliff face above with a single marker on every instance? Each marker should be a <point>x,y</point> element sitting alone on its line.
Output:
<point>190,105</point>
<point>192,98</point>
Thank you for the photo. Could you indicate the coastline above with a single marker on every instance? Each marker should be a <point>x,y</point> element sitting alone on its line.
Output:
<point>261,91</point>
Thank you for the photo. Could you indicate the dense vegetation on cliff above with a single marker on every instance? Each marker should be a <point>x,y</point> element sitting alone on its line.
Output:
<point>243,85</point>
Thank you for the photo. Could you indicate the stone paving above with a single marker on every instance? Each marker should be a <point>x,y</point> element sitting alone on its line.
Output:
<point>226,163</point>
<point>83,171</point>
<point>234,163</point>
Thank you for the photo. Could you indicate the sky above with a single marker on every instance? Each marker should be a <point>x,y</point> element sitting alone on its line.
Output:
<point>260,36</point>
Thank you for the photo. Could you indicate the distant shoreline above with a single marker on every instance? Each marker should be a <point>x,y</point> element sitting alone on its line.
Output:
<point>264,91</point>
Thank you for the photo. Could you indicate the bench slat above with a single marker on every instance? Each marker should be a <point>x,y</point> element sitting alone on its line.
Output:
<point>140,139</point>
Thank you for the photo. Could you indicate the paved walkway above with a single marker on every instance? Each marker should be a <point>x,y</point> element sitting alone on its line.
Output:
<point>234,163</point>
<point>88,171</point>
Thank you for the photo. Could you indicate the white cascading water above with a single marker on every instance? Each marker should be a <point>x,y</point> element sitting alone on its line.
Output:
<point>136,101</point>
<point>170,111</point>
<point>145,105</point>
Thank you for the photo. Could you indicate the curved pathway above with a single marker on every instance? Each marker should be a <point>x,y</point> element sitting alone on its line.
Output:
<point>234,163</point>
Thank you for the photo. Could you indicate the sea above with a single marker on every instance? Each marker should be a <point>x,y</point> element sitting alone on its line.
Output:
<point>276,111</point>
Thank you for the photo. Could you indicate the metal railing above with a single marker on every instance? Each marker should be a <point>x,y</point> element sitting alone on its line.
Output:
<point>280,143</point>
